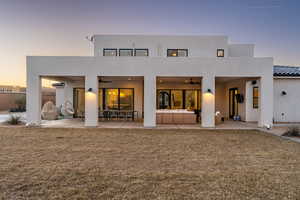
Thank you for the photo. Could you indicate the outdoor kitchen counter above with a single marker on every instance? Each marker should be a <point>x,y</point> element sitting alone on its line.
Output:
<point>175,117</point>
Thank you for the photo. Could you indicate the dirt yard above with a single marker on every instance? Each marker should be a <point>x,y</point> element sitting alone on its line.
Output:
<point>44,163</point>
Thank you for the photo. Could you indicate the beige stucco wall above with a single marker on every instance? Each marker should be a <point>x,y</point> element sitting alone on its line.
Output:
<point>287,107</point>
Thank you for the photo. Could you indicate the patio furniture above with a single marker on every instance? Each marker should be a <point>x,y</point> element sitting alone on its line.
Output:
<point>49,111</point>
<point>122,115</point>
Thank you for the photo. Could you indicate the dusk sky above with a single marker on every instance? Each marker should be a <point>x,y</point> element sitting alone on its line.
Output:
<point>59,27</point>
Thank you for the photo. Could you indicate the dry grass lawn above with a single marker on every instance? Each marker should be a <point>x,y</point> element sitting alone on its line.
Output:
<point>44,163</point>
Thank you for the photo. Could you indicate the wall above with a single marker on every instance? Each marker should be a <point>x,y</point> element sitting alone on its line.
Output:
<point>287,107</point>
<point>252,114</point>
<point>241,50</point>
<point>198,46</point>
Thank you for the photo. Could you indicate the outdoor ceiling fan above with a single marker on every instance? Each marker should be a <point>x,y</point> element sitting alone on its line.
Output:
<point>103,81</point>
<point>192,82</point>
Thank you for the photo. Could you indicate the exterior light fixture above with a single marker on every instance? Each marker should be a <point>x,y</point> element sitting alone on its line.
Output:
<point>283,93</point>
<point>209,91</point>
<point>90,89</point>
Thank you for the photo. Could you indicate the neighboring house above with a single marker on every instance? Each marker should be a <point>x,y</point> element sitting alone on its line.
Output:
<point>158,75</point>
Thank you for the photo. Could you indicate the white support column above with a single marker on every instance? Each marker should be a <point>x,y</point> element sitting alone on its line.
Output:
<point>33,99</point>
<point>91,100</point>
<point>59,95</point>
<point>64,93</point>
<point>208,101</point>
<point>69,92</point>
<point>149,101</point>
<point>266,101</point>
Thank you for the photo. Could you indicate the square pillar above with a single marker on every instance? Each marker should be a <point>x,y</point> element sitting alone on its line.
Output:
<point>149,101</point>
<point>208,101</point>
<point>266,101</point>
<point>63,93</point>
<point>91,100</point>
<point>33,99</point>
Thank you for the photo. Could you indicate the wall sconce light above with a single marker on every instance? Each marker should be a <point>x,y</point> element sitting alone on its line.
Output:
<point>209,91</point>
<point>90,89</point>
<point>283,93</point>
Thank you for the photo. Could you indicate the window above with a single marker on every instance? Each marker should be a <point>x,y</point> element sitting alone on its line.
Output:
<point>126,99</point>
<point>141,52</point>
<point>255,97</point>
<point>176,99</point>
<point>177,52</point>
<point>125,52</point>
<point>109,52</point>
<point>191,99</point>
<point>111,99</point>
<point>220,53</point>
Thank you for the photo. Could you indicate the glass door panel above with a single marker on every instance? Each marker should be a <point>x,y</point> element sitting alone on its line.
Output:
<point>163,99</point>
<point>176,99</point>
<point>79,102</point>
<point>126,99</point>
<point>111,99</point>
<point>233,104</point>
<point>100,99</point>
<point>191,99</point>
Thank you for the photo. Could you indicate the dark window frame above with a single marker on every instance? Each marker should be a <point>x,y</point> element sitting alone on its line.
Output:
<point>143,50</point>
<point>111,49</point>
<point>186,50</point>
<point>125,49</point>
<point>223,53</point>
<point>255,106</point>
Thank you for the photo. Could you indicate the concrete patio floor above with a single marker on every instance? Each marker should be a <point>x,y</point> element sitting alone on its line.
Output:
<point>277,130</point>
<point>79,123</point>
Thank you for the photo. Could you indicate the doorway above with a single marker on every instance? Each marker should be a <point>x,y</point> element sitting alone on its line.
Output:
<point>233,104</point>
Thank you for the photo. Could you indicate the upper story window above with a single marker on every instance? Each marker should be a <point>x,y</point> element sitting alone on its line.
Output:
<point>177,53</point>
<point>255,97</point>
<point>220,53</point>
<point>125,52</point>
<point>141,52</point>
<point>109,52</point>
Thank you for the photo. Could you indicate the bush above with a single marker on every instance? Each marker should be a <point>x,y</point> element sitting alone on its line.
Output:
<point>14,120</point>
<point>292,131</point>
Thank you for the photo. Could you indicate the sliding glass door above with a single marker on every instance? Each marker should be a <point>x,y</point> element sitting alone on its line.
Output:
<point>178,99</point>
<point>118,99</point>
<point>108,99</point>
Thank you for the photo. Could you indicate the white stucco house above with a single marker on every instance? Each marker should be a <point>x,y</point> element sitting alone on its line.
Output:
<point>167,79</point>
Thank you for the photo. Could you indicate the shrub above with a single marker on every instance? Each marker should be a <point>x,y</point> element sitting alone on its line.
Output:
<point>14,120</point>
<point>292,131</point>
